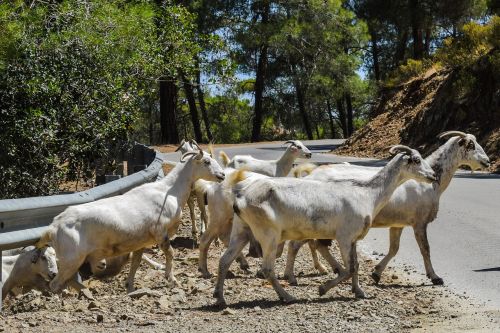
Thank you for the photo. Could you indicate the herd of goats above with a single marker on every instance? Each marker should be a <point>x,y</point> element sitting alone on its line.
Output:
<point>249,200</point>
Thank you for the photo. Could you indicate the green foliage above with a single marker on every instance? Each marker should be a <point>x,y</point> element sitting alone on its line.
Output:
<point>475,41</point>
<point>73,76</point>
<point>231,118</point>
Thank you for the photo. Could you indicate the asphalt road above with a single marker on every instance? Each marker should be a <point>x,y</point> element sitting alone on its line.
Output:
<point>464,239</point>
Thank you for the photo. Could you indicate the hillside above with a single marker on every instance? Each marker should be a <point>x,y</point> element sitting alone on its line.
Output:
<point>415,112</point>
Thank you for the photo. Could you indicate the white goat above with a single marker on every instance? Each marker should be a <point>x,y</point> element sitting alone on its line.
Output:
<point>31,269</point>
<point>413,204</point>
<point>198,191</point>
<point>220,210</point>
<point>272,168</point>
<point>220,201</point>
<point>277,209</point>
<point>146,215</point>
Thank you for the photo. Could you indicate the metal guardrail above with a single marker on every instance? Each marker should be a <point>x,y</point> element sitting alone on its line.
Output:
<point>23,221</point>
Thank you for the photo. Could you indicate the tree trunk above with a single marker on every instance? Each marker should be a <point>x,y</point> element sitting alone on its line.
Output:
<point>168,102</point>
<point>376,65</point>
<point>416,29</point>
<point>427,44</point>
<point>330,117</point>
<point>349,118</point>
<point>342,117</point>
<point>401,47</point>
<point>302,110</point>
<point>193,110</point>
<point>201,102</point>
<point>260,79</point>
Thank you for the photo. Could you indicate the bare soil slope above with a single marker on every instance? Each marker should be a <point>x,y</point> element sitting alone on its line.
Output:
<point>414,113</point>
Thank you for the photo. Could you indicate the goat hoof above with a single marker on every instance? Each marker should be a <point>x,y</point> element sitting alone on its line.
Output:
<point>437,281</point>
<point>221,304</point>
<point>336,270</point>
<point>260,274</point>
<point>291,280</point>
<point>288,300</point>
<point>376,277</point>
<point>245,266</point>
<point>206,275</point>
<point>321,290</point>
<point>360,294</point>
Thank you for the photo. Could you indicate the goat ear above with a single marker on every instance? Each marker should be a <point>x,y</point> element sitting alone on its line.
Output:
<point>180,145</point>
<point>199,156</point>
<point>36,255</point>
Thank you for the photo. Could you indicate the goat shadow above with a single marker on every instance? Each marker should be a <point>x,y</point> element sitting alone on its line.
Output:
<point>267,304</point>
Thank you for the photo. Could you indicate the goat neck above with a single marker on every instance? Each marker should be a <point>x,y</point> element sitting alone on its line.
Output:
<point>445,161</point>
<point>179,181</point>
<point>285,163</point>
<point>383,184</point>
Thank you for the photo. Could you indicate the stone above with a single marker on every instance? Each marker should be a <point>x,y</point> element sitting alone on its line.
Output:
<point>228,311</point>
<point>94,305</point>
<point>143,292</point>
<point>163,303</point>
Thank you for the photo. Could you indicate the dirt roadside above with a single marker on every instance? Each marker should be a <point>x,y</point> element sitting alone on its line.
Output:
<point>404,301</point>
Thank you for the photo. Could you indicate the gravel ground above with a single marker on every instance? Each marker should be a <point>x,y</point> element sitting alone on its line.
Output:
<point>403,302</point>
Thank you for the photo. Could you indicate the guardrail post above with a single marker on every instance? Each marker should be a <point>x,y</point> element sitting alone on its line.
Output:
<point>1,282</point>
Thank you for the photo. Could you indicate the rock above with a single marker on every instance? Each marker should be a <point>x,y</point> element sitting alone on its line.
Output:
<point>143,292</point>
<point>94,305</point>
<point>179,298</point>
<point>394,277</point>
<point>163,303</point>
<point>228,311</point>
<point>87,294</point>
<point>100,318</point>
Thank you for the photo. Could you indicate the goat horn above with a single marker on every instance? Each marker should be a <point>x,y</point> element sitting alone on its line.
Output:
<point>400,148</point>
<point>290,141</point>
<point>180,145</point>
<point>189,153</point>
<point>452,133</point>
<point>211,149</point>
<point>196,145</point>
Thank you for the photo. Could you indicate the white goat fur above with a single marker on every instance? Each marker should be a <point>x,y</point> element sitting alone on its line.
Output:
<point>31,269</point>
<point>273,168</point>
<point>198,191</point>
<point>220,201</point>
<point>278,209</point>
<point>128,223</point>
<point>413,204</point>
<point>220,210</point>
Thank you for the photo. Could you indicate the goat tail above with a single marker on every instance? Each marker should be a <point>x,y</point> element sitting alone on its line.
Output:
<point>46,238</point>
<point>225,159</point>
<point>306,168</point>
<point>236,177</point>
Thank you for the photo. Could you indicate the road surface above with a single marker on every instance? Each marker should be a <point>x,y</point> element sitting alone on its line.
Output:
<point>464,239</point>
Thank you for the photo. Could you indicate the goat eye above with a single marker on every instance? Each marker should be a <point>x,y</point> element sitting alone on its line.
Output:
<point>299,147</point>
<point>471,145</point>
<point>416,160</point>
<point>207,162</point>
